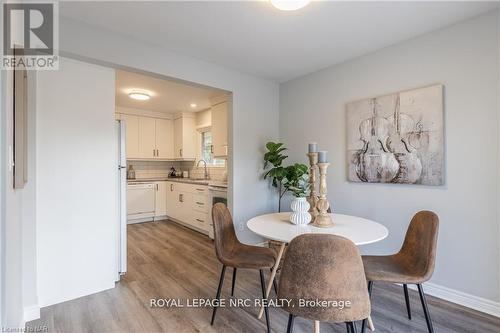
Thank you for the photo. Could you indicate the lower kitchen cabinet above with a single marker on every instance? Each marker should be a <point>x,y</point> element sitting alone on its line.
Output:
<point>161,199</point>
<point>187,204</point>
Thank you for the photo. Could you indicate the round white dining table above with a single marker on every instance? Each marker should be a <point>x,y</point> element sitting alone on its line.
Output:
<point>277,227</point>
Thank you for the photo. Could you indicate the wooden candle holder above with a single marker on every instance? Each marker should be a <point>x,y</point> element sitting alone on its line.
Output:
<point>323,220</point>
<point>313,197</point>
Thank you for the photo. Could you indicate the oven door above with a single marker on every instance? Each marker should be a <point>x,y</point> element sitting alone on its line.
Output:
<point>217,195</point>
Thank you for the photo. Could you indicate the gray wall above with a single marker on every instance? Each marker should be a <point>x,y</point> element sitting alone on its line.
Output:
<point>464,58</point>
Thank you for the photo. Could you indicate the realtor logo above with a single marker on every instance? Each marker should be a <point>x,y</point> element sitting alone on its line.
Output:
<point>30,35</point>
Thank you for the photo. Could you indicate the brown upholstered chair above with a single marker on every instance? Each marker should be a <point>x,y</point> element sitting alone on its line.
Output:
<point>413,264</point>
<point>232,253</point>
<point>327,268</point>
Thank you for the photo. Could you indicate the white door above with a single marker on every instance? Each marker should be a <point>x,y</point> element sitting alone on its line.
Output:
<point>164,138</point>
<point>147,137</point>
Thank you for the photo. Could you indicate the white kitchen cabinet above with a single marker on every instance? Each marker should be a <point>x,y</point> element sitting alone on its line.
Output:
<point>147,137</point>
<point>161,199</point>
<point>132,135</point>
<point>187,204</point>
<point>219,129</point>
<point>185,137</point>
<point>164,138</point>
<point>176,201</point>
<point>200,220</point>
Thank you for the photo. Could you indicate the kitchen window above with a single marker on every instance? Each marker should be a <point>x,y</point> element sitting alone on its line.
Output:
<point>207,150</point>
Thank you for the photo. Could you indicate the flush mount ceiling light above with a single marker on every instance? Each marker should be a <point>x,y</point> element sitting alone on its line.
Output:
<point>289,4</point>
<point>193,105</point>
<point>139,95</point>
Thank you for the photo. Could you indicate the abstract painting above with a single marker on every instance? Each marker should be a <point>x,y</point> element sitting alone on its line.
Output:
<point>397,138</point>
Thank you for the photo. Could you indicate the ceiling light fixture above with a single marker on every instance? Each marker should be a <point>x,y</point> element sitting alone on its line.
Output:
<point>289,4</point>
<point>139,95</point>
<point>193,105</point>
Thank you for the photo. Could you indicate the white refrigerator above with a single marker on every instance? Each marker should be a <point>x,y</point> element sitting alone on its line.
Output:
<point>122,198</point>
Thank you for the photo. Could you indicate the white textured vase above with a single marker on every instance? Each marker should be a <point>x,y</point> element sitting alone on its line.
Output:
<point>300,208</point>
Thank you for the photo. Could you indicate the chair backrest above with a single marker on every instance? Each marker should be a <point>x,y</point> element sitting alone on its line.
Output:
<point>224,235</point>
<point>420,244</point>
<point>325,268</point>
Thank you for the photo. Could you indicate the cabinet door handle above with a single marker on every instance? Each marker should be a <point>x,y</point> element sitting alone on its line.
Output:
<point>180,152</point>
<point>154,152</point>
<point>157,152</point>
<point>156,187</point>
<point>181,198</point>
<point>211,149</point>
<point>200,203</point>
<point>171,187</point>
<point>200,220</point>
<point>200,189</point>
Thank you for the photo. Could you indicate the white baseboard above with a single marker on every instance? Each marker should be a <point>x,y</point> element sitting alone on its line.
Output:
<point>470,301</point>
<point>31,312</point>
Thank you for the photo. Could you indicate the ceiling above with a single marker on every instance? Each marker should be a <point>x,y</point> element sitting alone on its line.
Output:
<point>256,38</point>
<point>166,95</point>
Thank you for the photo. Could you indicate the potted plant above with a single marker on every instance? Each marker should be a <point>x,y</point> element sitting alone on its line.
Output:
<point>296,181</point>
<point>293,178</point>
<point>275,157</point>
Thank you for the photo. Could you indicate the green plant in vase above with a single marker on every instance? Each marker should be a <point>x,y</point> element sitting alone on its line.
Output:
<point>293,178</point>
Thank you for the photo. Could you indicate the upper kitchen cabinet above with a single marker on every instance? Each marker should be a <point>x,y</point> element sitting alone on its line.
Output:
<point>164,129</point>
<point>185,137</point>
<point>155,138</point>
<point>132,136</point>
<point>219,129</point>
<point>149,138</point>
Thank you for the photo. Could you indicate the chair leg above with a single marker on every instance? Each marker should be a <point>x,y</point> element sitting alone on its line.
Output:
<point>426,310</point>
<point>234,281</point>
<point>266,309</point>
<point>219,289</point>
<point>351,327</point>
<point>274,283</point>
<point>370,287</point>
<point>407,299</point>
<point>289,327</point>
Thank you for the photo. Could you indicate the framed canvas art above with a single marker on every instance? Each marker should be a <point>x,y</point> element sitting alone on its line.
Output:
<point>397,138</point>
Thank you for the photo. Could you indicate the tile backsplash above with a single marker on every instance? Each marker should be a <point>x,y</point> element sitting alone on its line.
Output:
<point>215,173</point>
<point>152,169</point>
<point>161,169</point>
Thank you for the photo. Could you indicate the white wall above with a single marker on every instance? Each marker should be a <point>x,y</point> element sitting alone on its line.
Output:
<point>465,58</point>
<point>254,118</point>
<point>76,181</point>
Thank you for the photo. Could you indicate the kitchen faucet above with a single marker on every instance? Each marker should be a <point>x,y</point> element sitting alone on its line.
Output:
<point>206,171</point>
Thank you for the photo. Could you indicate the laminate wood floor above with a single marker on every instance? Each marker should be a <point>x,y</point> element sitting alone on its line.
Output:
<point>166,260</point>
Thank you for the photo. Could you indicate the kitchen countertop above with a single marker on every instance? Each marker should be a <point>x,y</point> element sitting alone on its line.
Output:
<point>179,180</point>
